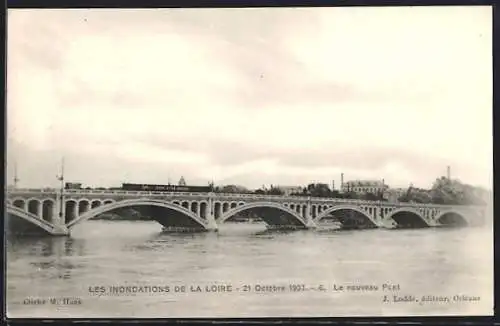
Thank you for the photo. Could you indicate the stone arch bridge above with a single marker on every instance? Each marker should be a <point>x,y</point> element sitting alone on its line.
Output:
<point>55,212</point>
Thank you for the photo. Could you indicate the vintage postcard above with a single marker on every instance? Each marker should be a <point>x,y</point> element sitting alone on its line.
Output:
<point>252,162</point>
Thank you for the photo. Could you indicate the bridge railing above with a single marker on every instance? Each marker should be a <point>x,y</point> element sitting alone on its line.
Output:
<point>182,194</point>
<point>31,190</point>
<point>313,200</point>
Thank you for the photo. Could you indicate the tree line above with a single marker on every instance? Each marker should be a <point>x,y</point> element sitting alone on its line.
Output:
<point>443,191</point>
<point>447,192</point>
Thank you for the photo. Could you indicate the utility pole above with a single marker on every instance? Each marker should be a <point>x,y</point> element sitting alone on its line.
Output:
<point>16,179</point>
<point>342,182</point>
<point>61,178</point>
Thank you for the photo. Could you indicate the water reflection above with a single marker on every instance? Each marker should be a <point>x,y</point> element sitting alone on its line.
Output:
<point>271,232</point>
<point>44,246</point>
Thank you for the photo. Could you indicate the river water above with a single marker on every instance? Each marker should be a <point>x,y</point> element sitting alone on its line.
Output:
<point>310,272</point>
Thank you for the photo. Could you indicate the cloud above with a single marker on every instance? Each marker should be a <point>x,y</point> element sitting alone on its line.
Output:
<point>250,96</point>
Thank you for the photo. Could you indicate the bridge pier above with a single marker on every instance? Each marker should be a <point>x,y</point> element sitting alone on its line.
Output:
<point>384,220</point>
<point>212,225</point>
<point>210,214</point>
<point>429,217</point>
<point>309,216</point>
<point>380,218</point>
<point>311,224</point>
<point>61,230</point>
<point>377,217</point>
<point>59,211</point>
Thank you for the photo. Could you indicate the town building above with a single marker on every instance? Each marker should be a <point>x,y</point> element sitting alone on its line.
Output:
<point>364,186</point>
<point>182,182</point>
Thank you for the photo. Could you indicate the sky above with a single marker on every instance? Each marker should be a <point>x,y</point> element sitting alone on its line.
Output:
<point>255,96</point>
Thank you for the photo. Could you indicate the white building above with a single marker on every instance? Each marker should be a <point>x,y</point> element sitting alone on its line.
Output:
<point>364,186</point>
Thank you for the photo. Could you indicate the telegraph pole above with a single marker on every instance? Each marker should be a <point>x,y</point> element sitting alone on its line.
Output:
<point>61,178</point>
<point>16,179</point>
<point>342,182</point>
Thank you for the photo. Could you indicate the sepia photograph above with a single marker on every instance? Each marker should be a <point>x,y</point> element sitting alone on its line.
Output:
<point>249,162</point>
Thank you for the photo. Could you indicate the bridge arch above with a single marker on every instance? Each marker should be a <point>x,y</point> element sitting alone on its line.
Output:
<point>451,217</point>
<point>95,203</point>
<point>302,211</point>
<point>34,221</point>
<point>408,217</point>
<point>332,209</point>
<point>84,205</point>
<point>48,207</point>
<point>19,203</point>
<point>34,206</point>
<point>194,207</point>
<point>182,217</point>
<point>203,209</point>
<point>217,210</point>
<point>281,216</point>
<point>71,210</point>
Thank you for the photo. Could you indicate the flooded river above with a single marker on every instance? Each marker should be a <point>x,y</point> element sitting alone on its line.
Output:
<point>131,269</point>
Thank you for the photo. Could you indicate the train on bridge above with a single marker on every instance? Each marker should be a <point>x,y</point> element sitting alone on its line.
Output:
<point>169,188</point>
<point>147,187</point>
